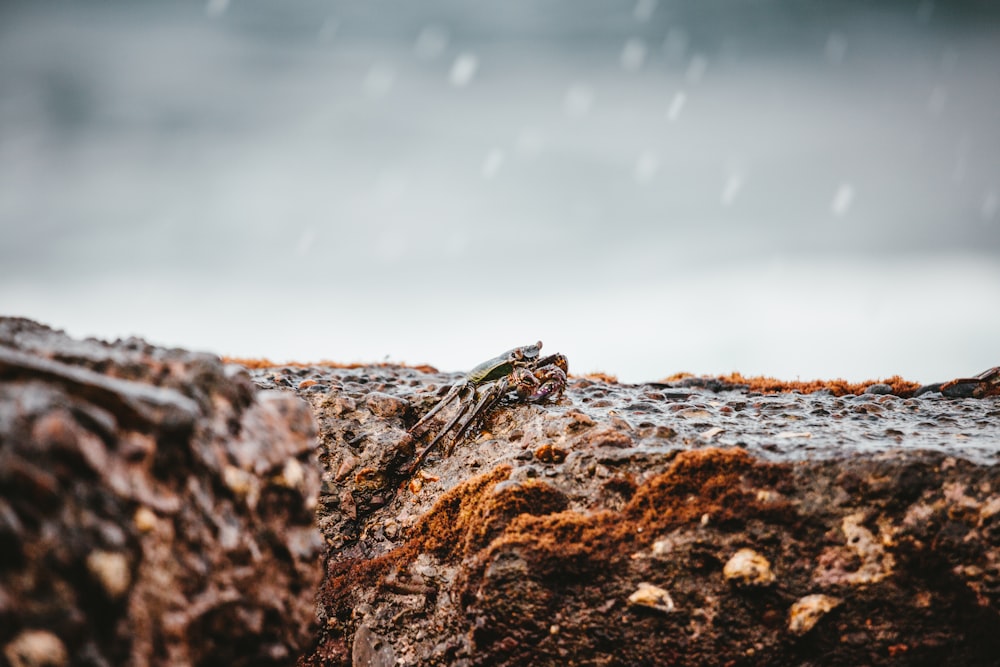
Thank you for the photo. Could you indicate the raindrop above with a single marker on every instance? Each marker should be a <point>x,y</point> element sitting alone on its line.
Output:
<point>463,69</point>
<point>579,99</point>
<point>677,103</point>
<point>842,199</point>
<point>379,80</point>
<point>216,8</point>
<point>646,167</point>
<point>836,48</point>
<point>431,42</point>
<point>633,54</point>
<point>732,188</point>
<point>696,68</point>
<point>991,204</point>
<point>644,10</point>
<point>492,163</point>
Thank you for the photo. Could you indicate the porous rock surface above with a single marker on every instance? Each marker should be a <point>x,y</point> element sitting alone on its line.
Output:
<point>689,522</point>
<point>156,508</point>
<point>160,507</point>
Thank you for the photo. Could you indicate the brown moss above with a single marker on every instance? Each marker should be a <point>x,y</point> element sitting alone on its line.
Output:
<point>837,387</point>
<point>699,482</point>
<point>507,503</point>
<point>523,530</point>
<point>446,529</point>
<point>530,516</point>
<point>719,482</point>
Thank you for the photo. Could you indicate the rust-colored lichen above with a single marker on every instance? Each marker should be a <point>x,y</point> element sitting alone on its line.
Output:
<point>837,387</point>
<point>483,516</point>
<point>714,482</point>
<point>721,483</point>
<point>770,385</point>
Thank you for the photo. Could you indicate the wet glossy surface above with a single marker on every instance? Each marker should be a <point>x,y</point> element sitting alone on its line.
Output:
<point>658,417</point>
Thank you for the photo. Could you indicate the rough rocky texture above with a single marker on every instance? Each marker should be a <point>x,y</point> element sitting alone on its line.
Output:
<point>684,522</point>
<point>158,507</point>
<point>155,507</point>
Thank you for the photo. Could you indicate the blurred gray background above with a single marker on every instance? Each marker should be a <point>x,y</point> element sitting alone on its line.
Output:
<point>793,188</point>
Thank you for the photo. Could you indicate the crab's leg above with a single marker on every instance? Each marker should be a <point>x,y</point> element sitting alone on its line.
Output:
<point>488,398</point>
<point>462,410</point>
<point>453,393</point>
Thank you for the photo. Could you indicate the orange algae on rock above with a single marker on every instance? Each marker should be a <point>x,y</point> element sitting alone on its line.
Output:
<point>837,387</point>
<point>491,514</point>
<point>721,483</point>
<point>769,385</point>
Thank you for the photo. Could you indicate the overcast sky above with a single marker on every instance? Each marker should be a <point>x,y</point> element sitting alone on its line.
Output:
<point>785,188</point>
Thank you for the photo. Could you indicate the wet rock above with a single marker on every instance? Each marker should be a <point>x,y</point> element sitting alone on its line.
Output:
<point>496,551</point>
<point>385,405</point>
<point>155,507</point>
<point>371,650</point>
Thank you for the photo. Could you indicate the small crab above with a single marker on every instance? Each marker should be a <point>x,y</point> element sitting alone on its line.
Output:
<point>520,372</point>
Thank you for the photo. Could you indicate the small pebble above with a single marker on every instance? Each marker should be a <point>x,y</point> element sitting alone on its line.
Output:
<point>748,568</point>
<point>385,405</point>
<point>36,648</point>
<point>343,404</point>
<point>145,520</point>
<point>649,596</point>
<point>292,475</point>
<point>110,569</point>
<point>807,611</point>
<point>237,479</point>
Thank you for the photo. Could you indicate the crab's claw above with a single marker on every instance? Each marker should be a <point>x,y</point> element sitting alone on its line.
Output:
<point>549,380</point>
